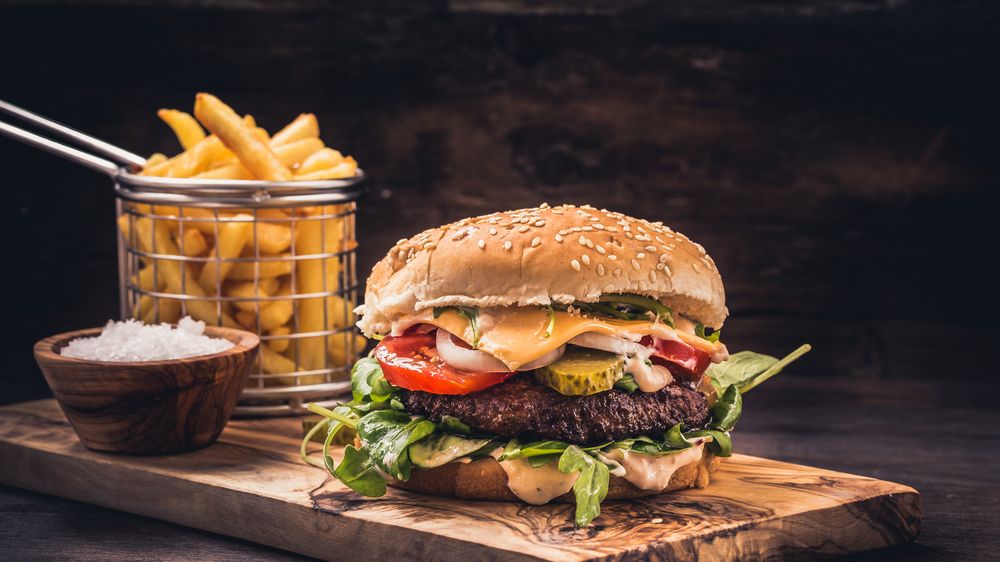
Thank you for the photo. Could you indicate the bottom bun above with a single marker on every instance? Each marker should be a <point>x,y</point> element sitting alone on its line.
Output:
<point>483,479</point>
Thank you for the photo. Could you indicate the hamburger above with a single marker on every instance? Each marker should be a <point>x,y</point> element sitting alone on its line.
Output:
<point>546,354</point>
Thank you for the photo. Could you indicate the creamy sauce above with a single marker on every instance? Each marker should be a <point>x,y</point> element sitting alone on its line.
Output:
<point>653,472</point>
<point>516,336</point>
<point>649,378</point>
<point>537,485</point>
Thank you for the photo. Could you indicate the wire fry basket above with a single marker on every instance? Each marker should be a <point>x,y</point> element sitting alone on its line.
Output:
<point>275,258</point>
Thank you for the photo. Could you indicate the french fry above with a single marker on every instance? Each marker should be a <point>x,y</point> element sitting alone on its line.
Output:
<point>196,159</point>
<point>188,131</point>
<point>275,363</point>
<point>194,242</point>
<point>247,290</point>
<point>346,169</point>
<point>233,236</point>
<point>304,126</point>
<point>279,345</point>
<point>155,159</point>
<point>289,155</point>
<point>320,160</point>
<point>244,271</point>
<point>278,312</point>
<point>253,153</point>
<point>156,239</point>
<point>310,278</point>
<point>169,312</point>
<point>273,238</point>
<point>247,319</point>
<point>339,352</point>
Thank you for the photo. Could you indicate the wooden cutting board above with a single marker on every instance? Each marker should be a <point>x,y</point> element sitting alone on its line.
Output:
<point>252,485</point>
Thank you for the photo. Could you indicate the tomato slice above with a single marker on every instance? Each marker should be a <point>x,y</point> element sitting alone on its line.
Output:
<point>411,361</point>
<point>684,362</point>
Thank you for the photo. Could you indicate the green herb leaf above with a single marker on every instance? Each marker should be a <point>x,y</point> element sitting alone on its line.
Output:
<point>721,444</point>
<point>627,383</point>
<point>591,486</point>
<point>551,312</point>
<point>454,425</point>
<point>387,435</point>
<point>699,330</point>
<point>674,438</point>
<point>542,460</point>
<point>358,473</point>
<point>516,450</point>
<point>469,313</point>
<point>368,383</point>
<point>727,409</point>
<point>747,369</point>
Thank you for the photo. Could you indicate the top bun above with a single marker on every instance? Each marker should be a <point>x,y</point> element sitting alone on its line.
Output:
<point>541,256</point>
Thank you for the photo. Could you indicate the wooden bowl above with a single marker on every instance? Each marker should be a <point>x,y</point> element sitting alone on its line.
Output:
<point>148,407</point>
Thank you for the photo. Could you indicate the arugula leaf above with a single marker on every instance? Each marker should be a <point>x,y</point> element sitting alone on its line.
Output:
<point>628,307</point>
<point>387,435</point>
<point>747,369</point>
<point>591,486</point>
<point>674,437</point>
<point>454,425</point>
<point>627,383</point>
<point>699,330</point>
<point>516,450</point>
<point>542,460</point>
<point>727,409</point>
<point>358,473</point>
<point>368,383</point>
<point>469,313</point>
<point>721,444</point>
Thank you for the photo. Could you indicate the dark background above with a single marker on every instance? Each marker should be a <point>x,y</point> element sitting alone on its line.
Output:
<point>839,160</point>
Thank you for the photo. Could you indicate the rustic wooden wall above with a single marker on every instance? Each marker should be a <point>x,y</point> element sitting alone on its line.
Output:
<point>838,160</point>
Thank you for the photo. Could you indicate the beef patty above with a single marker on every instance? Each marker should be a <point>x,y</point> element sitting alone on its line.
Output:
<point>521,407</point>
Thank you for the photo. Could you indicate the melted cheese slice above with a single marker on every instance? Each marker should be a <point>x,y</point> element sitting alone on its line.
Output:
<point>517,336</point>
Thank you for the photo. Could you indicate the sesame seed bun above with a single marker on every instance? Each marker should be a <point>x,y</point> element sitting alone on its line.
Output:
<point>541,256</point>
<point>484,480</point>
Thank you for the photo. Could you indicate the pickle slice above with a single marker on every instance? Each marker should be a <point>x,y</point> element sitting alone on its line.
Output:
<point>580,372</point>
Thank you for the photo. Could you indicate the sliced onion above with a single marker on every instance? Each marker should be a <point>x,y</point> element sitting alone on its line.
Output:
<point>466,359</point>
<point>613,344</point>
<point>550,357</point>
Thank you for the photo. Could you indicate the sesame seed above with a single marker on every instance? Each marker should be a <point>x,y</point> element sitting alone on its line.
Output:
<point>635,265</point>
<point>666,269</point>
<point>430,245</point>
<point>482,244</point>
<point>695,267</point>
<point>664,257</point>
<point>575,265</point>
<point>600,249</point>
<point>493,231</point>
<point>612,229</point>
<point>401,241</point>
<point>612,257</point>
<point>586,259</point>
<point>588,229</point>
<point>650,248</point>
<point>640,255</point>
<point>652,276</point>
<point>617,272</point>
<point>559,238</point>
<point>525,220</point>
<point>543,206</point>
<point>629,234</point>
<point>535,241</point>
<point>523,229</point>
<point>626,228</point>
<point>599,226</point>
<point>540,223</point>
<point>507,245</point>
<point>402,255</point>
<point>660,266</point>
<point>564,232</point>
<point>583,240</point>
<point>600,269</point>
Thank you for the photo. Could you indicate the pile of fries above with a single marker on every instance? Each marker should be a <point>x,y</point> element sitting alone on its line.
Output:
<point>231,267</point>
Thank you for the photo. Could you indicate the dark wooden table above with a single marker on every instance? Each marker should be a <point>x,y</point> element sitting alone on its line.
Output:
<point>940,438</point>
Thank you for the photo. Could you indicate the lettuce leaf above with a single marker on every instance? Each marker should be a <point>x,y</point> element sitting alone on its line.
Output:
<point>591,487</point>
<point>746,369</point>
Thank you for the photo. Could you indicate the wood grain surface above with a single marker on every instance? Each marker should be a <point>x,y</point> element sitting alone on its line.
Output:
<point>251,485</point>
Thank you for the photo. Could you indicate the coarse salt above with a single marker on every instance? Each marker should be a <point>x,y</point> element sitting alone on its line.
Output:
<point>132,340</point>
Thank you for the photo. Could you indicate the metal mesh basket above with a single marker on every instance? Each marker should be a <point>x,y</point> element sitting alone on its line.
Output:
<point>278,259</point>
